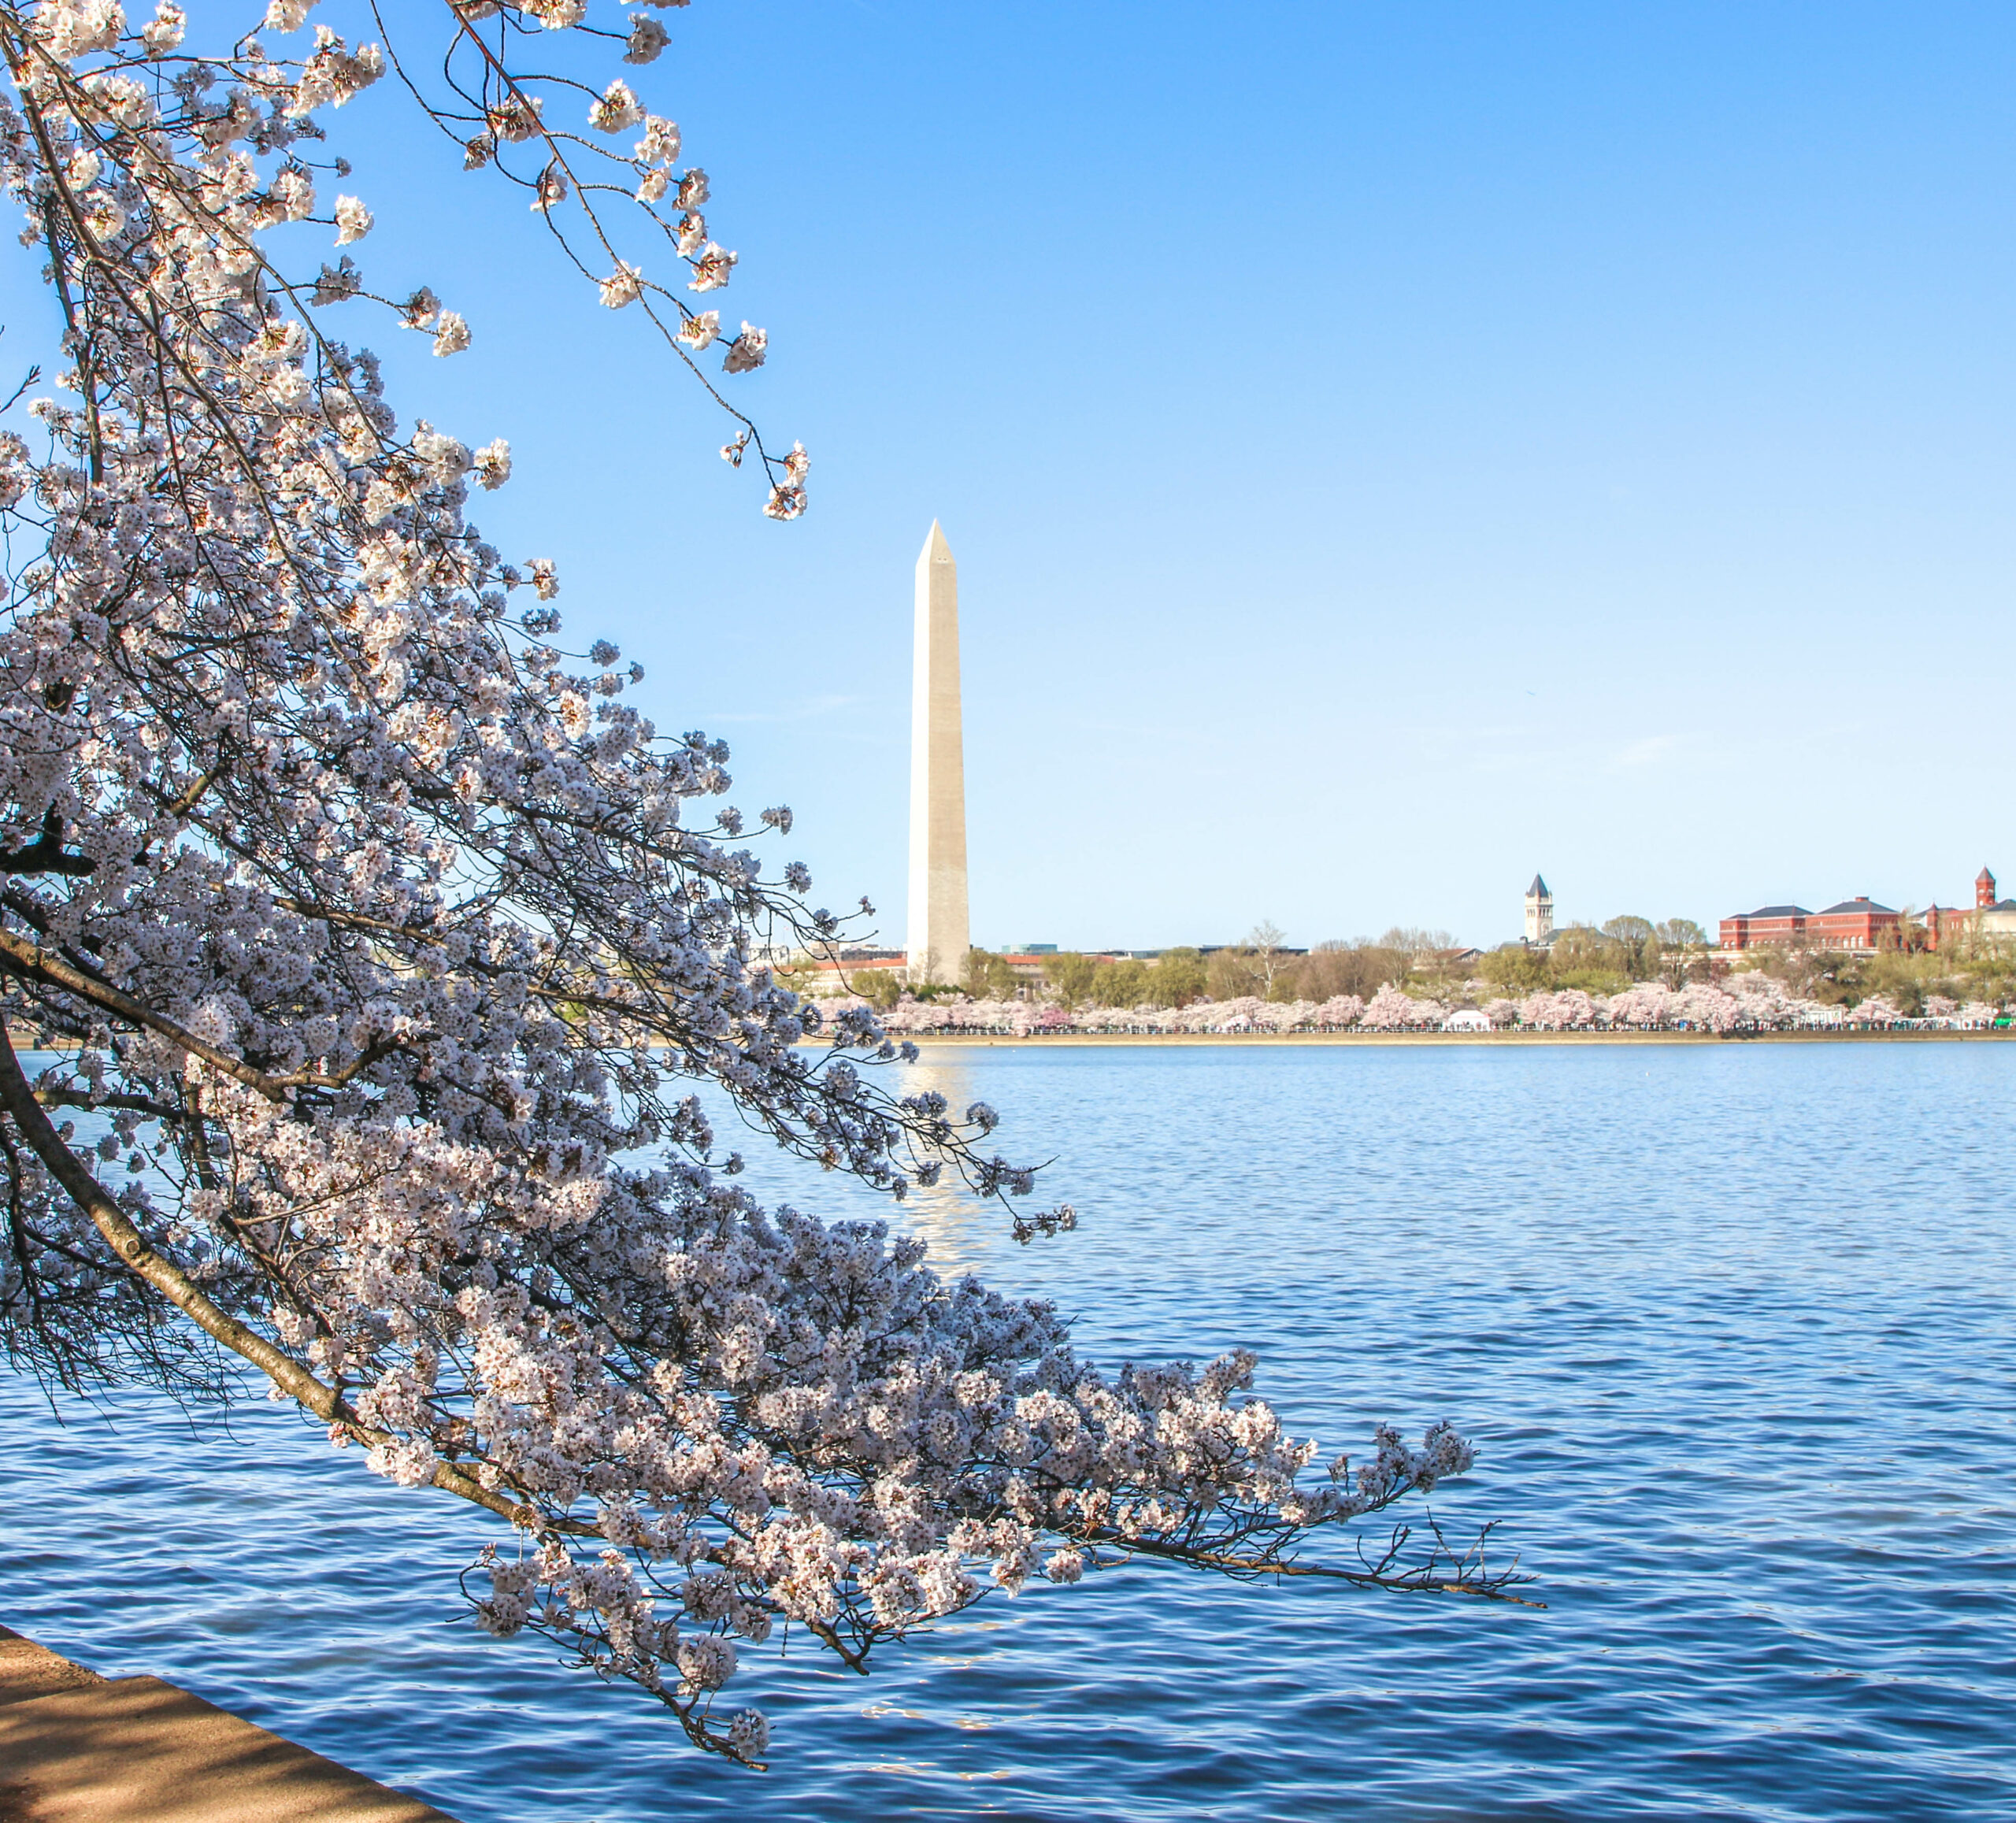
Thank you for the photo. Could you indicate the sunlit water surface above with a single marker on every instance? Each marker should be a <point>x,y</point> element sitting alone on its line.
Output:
<point>1730,1324</point>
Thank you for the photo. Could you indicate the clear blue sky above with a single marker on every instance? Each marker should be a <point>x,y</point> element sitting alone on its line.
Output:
<point>1387,449</point>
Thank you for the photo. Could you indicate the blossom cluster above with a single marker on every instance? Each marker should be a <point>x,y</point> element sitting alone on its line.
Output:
<point>387,941</point>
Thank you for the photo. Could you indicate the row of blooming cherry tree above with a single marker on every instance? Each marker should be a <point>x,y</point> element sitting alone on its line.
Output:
<point>379,941</point>
<point>1747,1002</point>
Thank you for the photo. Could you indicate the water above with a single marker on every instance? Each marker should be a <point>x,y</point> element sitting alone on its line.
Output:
<point>1731,1325</point>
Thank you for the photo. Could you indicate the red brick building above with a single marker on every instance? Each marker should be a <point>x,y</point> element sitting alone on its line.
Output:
<point>1862,924</point>
<point>1783,926</point>
<point>1944,925</point>
<point>1992,917</point>
<point>1855,924</point>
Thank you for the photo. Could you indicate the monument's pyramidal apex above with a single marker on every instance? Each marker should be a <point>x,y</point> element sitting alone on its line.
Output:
<point>939,933</point>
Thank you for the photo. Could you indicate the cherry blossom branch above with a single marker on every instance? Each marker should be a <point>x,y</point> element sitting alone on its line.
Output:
<point>19,1103</point>
<point>395,949</point>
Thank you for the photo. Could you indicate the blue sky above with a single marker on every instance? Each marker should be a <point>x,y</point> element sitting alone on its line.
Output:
<point>1387,449</point>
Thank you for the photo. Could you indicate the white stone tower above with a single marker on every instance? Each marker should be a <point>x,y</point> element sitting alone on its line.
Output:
<point>1539,912</point>
<point>939,935</point>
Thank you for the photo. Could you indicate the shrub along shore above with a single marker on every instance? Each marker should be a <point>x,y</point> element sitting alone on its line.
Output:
<point>1754,1001</point>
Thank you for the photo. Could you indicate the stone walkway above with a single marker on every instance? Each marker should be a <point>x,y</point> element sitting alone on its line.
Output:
<point>75,1747</point>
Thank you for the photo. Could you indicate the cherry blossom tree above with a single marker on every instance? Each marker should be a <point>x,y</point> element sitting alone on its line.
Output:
<point>1703,1008</point>
<point>1645,1004</point>
<point>1390,1009</point>
<point>1559,1009</point>
<point>384,942</point>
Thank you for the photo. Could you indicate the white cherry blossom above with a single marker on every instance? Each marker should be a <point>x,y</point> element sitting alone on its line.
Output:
<point>353,220</point>
<point>389,940</point>
<point>622,287</point>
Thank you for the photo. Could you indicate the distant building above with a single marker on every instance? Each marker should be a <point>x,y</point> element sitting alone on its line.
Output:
<point>1780,926</point>
<point>1861,925</point>
<point>823,976</point>
<point>1993,916</point>
<point>1855,924</point>
<point>1032,965</point>
<point>1539,913</point>
<point>1945,924</point>
<point>828,975</point>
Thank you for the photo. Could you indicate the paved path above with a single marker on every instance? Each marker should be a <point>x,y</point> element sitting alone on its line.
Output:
<point>75,1747</point>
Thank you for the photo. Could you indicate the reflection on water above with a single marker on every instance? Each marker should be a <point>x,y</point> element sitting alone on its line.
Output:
<point>1731,1325</point>
<point>947,1215</point>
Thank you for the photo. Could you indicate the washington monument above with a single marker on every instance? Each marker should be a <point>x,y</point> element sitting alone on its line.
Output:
<point>939,933</point>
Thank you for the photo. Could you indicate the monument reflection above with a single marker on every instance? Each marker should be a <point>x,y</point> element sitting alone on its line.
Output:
<point>958,1226</point>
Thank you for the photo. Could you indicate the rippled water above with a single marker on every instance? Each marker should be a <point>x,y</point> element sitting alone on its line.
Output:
<point>1730,1322</point>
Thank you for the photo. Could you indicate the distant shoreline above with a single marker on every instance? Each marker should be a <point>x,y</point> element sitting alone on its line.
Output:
<point>968,1040</point>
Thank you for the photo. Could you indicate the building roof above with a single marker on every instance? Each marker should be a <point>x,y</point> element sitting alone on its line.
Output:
<point>1983,875</point>
<point>1538,889</point>
<point>1858,907</point>
<point>1777,911</point>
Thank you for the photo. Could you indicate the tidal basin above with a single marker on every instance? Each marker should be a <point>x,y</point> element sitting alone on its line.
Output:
<point>1730,1325</point>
